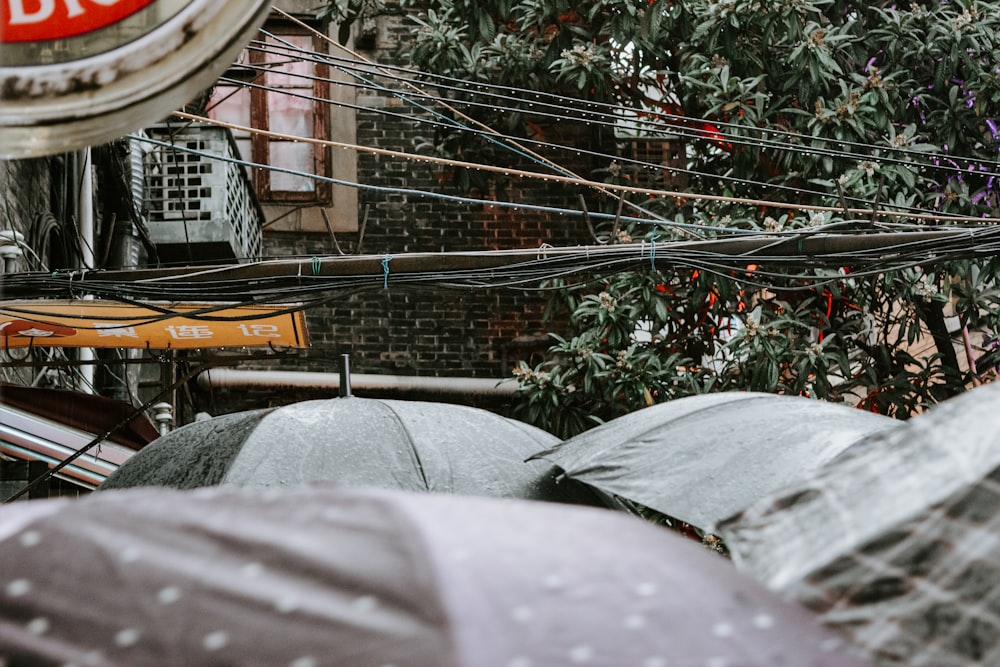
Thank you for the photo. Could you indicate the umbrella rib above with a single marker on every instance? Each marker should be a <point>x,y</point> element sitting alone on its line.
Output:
<point>411,442</point>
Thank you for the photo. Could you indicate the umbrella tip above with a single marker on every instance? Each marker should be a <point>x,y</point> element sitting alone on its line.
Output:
<point>345,376</point>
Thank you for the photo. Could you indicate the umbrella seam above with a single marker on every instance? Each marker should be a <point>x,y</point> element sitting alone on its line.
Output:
<point>410,441</point>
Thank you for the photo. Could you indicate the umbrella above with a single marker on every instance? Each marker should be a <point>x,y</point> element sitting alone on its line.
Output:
<point>320,575</point>
<point>702,458</point>
<point>409,445</point>
<point>897,541</point>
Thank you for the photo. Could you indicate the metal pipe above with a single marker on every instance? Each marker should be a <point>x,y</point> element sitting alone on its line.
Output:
<point>345,376</point>
<point>275,379</point>
<point>85,209</point>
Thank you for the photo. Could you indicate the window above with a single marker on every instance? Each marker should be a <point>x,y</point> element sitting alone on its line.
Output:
<point>278,88</point>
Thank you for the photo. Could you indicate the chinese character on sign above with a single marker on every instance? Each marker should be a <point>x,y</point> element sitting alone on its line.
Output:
<point>260,330</point>
<point>112,330</point>
<point>184,331</point>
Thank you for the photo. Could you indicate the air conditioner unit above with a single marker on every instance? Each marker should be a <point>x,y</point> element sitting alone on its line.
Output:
<point>200,206</point>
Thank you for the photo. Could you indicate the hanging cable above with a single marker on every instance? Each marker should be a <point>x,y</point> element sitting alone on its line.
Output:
<point>934,217</point>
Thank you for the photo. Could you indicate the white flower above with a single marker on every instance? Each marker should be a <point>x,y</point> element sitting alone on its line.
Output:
<point>608,302</point>
<point>581,54</point>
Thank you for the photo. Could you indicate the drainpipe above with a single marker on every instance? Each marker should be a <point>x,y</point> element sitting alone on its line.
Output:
<point>85,209</point>
<point>397,384</point>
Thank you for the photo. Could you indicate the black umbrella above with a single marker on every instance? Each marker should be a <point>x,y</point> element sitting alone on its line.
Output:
<point>702,458</point>
<point>897,541</point>
<point>322,576</point>
<point>409,445</point>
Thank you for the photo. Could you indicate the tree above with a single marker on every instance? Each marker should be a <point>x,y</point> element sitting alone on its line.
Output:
<point>841,104</point>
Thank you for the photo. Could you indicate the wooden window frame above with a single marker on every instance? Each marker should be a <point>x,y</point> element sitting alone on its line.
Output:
<point>321,126</point>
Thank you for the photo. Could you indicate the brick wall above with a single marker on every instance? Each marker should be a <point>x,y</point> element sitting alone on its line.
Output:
<point>428,331</point>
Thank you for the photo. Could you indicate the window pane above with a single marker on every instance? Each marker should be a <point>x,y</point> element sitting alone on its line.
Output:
<point>290,115</point>
<point>230,104</point>
<point>295,156</point>
<point>291,63</point>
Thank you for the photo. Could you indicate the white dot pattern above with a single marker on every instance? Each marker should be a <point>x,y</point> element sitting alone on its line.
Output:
<point>722,630</point>
<point>18,587</point>
<point>30,538</point>
<point>39,626</point>
<point>168,595</point>
<point>518,591</point>
<point>130,555</point>
<point>127,637</point>
<point>215,641</point>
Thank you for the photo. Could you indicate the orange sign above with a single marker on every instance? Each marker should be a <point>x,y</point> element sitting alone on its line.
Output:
<point>43,20</point>
<point>161,326</point>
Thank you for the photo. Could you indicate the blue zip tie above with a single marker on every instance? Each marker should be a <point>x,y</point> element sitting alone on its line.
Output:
<point>385,271</point>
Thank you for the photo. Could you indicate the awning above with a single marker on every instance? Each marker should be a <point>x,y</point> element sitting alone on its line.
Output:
<point>50,425</point>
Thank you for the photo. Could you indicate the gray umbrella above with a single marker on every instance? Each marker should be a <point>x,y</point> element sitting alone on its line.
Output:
<point>897,541</point>
<point>409,445</point>
<point>702,458</point>
<point>319,576</point>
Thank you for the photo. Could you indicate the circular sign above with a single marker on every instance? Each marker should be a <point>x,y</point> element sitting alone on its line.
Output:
<point>77,73</point>
<point>46,20</point>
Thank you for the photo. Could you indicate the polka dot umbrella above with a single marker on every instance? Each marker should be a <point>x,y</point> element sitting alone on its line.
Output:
<point>408,445</point>
<point>323,576</point>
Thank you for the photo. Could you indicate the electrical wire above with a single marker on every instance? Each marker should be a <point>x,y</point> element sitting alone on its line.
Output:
<point>445,196</point>
<point>521,270</point>
<point>800,191</point>
<point>568,108</point>
<point>621,160</point>
<point>680,195</point>
<point>356,56</point>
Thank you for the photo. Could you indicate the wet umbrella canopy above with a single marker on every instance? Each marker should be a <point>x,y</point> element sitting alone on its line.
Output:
<point>897,541</point>
<point>322,576</point>
<point>409,445</point>
<point>703,458</point>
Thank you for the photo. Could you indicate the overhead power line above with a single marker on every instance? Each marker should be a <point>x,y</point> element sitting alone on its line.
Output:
<point>767,259</point>
<point>365,71</point>
<point>614,187</point>
<point>562,107</point>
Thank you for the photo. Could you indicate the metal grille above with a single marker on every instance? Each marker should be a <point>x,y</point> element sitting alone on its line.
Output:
<point>199,208</point>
